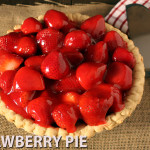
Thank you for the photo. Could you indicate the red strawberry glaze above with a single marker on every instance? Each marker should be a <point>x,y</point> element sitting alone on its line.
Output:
<point>13,106</point>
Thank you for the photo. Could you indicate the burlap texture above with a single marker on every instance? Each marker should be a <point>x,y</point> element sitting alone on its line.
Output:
<point>133,134</point>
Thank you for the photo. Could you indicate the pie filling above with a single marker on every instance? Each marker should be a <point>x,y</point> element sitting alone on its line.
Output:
<point>59,72</point>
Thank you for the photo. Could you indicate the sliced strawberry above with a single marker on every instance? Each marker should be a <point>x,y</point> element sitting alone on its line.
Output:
<point>77,39</point>
<point>70,98</point>
<point>26,47</point>
<point>27,79</point>
<point>9,61</point>
<point>74,58</point>
<point>35,62</point>
<point>31,25</point>
<point>120,75</point>
<point>106,91</point>
<point>68,84</point>
<point>97,53</point>
<point>94,109</point>
<point>124,56</point>
<point>40,109</point>
<point>90,74</point>
<point>22,98</point>
<point>55,66</point>
<point>13,106</point>
<point>95,26</point>
<point>71,26</point>
<point>9,42</point>
<point>49,40</point>
<point>55,19</point>
<point>6,80</point>
<point>114,40</point>
<point>66,116</point>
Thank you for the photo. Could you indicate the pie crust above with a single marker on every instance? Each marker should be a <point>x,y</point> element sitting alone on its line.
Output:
<point>134,96</point>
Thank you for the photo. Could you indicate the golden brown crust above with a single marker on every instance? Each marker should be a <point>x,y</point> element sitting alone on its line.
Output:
<point>134,96</point>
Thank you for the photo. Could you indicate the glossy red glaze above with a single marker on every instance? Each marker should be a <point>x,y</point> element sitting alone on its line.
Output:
<point>90,74</point>
<point>13,106</point>
<point>107,90</point>
<point>6,80</point>
<point>22,98</point>
<point>66,116</point>
<point>94,109</point>
<point>40,109</point>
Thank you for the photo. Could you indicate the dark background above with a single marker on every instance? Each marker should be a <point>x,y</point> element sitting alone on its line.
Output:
<point>67,2</point>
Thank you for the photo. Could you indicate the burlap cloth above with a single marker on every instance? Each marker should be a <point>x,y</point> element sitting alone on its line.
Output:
<point>133,134</point>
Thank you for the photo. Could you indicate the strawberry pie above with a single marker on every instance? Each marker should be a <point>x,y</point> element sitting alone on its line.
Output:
<point>68,74</point>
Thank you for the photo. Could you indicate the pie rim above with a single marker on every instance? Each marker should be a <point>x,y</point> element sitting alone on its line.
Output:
<point>133,98</point>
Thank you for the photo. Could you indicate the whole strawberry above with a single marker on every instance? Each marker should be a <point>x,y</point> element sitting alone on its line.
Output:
<point>93,109</point>
<point>49,40</point>
<point>77,39</point>
<point>124,56</point>
<point>31,25</point>
<point>120,75</point>
<point>26,47</point>
<point>66,116</point>
<point>90,74</point>
<point>95,26</point>
<point>55,66</point>
<point>114,40</point>
<point>9,42</point>
<point>55,19</point>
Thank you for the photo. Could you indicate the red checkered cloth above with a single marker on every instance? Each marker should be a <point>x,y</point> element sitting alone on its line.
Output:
<point>117,16</point>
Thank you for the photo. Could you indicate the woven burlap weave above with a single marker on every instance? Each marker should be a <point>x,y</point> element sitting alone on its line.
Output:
<point>133,134</point>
